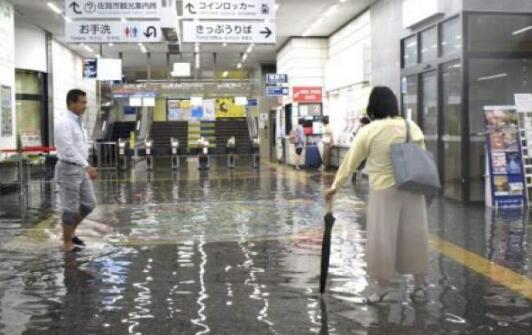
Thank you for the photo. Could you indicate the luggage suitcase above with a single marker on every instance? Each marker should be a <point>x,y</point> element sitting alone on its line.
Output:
<point>312,157</point>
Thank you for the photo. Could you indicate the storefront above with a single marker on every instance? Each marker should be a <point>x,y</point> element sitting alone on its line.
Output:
<point>451,70</point>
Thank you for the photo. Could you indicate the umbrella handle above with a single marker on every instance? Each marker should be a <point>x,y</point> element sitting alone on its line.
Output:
<point>329,206</point>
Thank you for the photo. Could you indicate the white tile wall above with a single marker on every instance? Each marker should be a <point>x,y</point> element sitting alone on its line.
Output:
<point>67,75</point>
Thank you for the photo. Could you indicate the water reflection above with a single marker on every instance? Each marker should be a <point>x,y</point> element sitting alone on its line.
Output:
<point>225,251</point>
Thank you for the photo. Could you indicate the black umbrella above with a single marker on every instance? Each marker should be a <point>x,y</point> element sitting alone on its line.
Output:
<point>326,247</point>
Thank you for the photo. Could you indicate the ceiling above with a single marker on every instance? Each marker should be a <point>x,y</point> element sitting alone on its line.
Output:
<point>293,18</point>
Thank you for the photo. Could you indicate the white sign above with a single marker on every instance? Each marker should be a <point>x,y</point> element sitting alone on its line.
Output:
<point>229,9</point>
<point>523,102</point>
<point>112,31</point>
<point>228,31</point>
<point>98,9</point>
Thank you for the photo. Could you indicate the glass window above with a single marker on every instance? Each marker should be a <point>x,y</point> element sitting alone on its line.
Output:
<point>491,82</point>
<point>29,118</point>
<point>28,82</point>
<point>410,88</point>
<point>500,32</point>
<point>429,45</point>
<point>452,40</point>
<point>452,129</point>
<point>410,51</point>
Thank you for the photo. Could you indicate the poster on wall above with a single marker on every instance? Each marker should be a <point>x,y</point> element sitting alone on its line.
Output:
<point>209,110</point>
<point>7,111</point>
<point>505,161</point>
<point>226,107</point>
<point>179,110</point>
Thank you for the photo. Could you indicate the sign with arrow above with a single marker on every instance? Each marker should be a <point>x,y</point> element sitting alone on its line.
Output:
<point>229,32</point>
<point>229,9</point>
<point>113,31</point>
<point>99,9</point>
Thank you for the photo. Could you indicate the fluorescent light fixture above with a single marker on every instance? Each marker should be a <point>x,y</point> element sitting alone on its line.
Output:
<point>54,8</point>
<point>225,44</point>
<point>196,48</point>
<point>111,44</point>
<point>86,47</point>
<point>342,1</point>
<point>520,31</point>
<point>109,69</point>
<point>331,10</point>
<point>241,101</point>
<point>245,57</point>
<point>495,76</point>
<point>142,48</point>
<point>198,64</point>
<point>225,74</point>
<point>276,7</point>
<point>196,101</point>
<point>67,19</point>
<point>239,66</point>
<point>124,20</point>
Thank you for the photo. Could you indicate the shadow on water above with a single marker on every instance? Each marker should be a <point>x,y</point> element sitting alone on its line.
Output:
<point>231,252</point>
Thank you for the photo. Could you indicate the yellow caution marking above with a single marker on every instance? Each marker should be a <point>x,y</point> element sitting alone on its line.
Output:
<point>496,273</point>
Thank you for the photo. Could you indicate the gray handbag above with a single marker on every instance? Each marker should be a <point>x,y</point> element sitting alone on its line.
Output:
<point>414,168</point>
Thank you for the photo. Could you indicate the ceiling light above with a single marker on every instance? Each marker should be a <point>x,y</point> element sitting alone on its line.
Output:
<point>331,10</point>
<point>54,8</point>
<point>142,48</point>
<point>239,66</point>
<point>495,76</point>
<point>250,48</point>
<point>123,19</point>
<point>276,7</point>
<point>67,19</point>
<point>520,31</point>
<point>196,48</point>
<point>86,47</point>
<point>342,1</point>
<point>197,61</point>
<point>225,74</point>
<point>225,44</point>
<point>111,44</point>
<point>244,57</point>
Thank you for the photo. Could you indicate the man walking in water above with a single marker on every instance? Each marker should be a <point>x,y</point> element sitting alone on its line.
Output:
<point>74,174</point>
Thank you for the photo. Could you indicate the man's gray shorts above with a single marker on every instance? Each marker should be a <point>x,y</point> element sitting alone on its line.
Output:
<point>75,191</point>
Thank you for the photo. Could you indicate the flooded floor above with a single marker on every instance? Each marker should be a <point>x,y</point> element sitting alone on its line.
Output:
<point>238,252</point>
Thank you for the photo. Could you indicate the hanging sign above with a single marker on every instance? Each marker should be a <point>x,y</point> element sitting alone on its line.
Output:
<point>275,78</point>
<point>113,31</point>
<point>504,157</point>
<point>229,9</point>
<point>307,94</point>
<point>98,9</point>
<point>228,32</point>
<point>276,91</point>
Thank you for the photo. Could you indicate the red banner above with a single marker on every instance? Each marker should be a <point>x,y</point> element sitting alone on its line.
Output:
<point>307,94</point>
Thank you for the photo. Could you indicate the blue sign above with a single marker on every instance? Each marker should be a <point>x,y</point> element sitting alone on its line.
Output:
<point>274,91</point>
<point>274,79</point>
<point>253,102</point>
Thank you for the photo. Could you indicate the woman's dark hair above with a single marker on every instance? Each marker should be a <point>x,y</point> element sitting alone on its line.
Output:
<point>301,121</point>
<point>325,120</point>
<point>382,103</point>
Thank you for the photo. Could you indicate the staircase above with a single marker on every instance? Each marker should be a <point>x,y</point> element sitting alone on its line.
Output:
<point>162,132</point>
<point>121,130</point>
<point>237,127</point>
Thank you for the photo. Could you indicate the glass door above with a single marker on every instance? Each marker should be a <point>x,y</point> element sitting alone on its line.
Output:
<point>452,130</point>
<point>429,115</point>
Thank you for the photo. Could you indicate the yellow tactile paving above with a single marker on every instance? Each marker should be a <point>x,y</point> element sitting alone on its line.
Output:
<point>496,273</point>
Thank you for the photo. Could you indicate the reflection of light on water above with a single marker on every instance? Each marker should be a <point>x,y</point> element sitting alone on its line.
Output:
<point>200,321</point>
<point>258,293</point>
<point>142,302</point>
